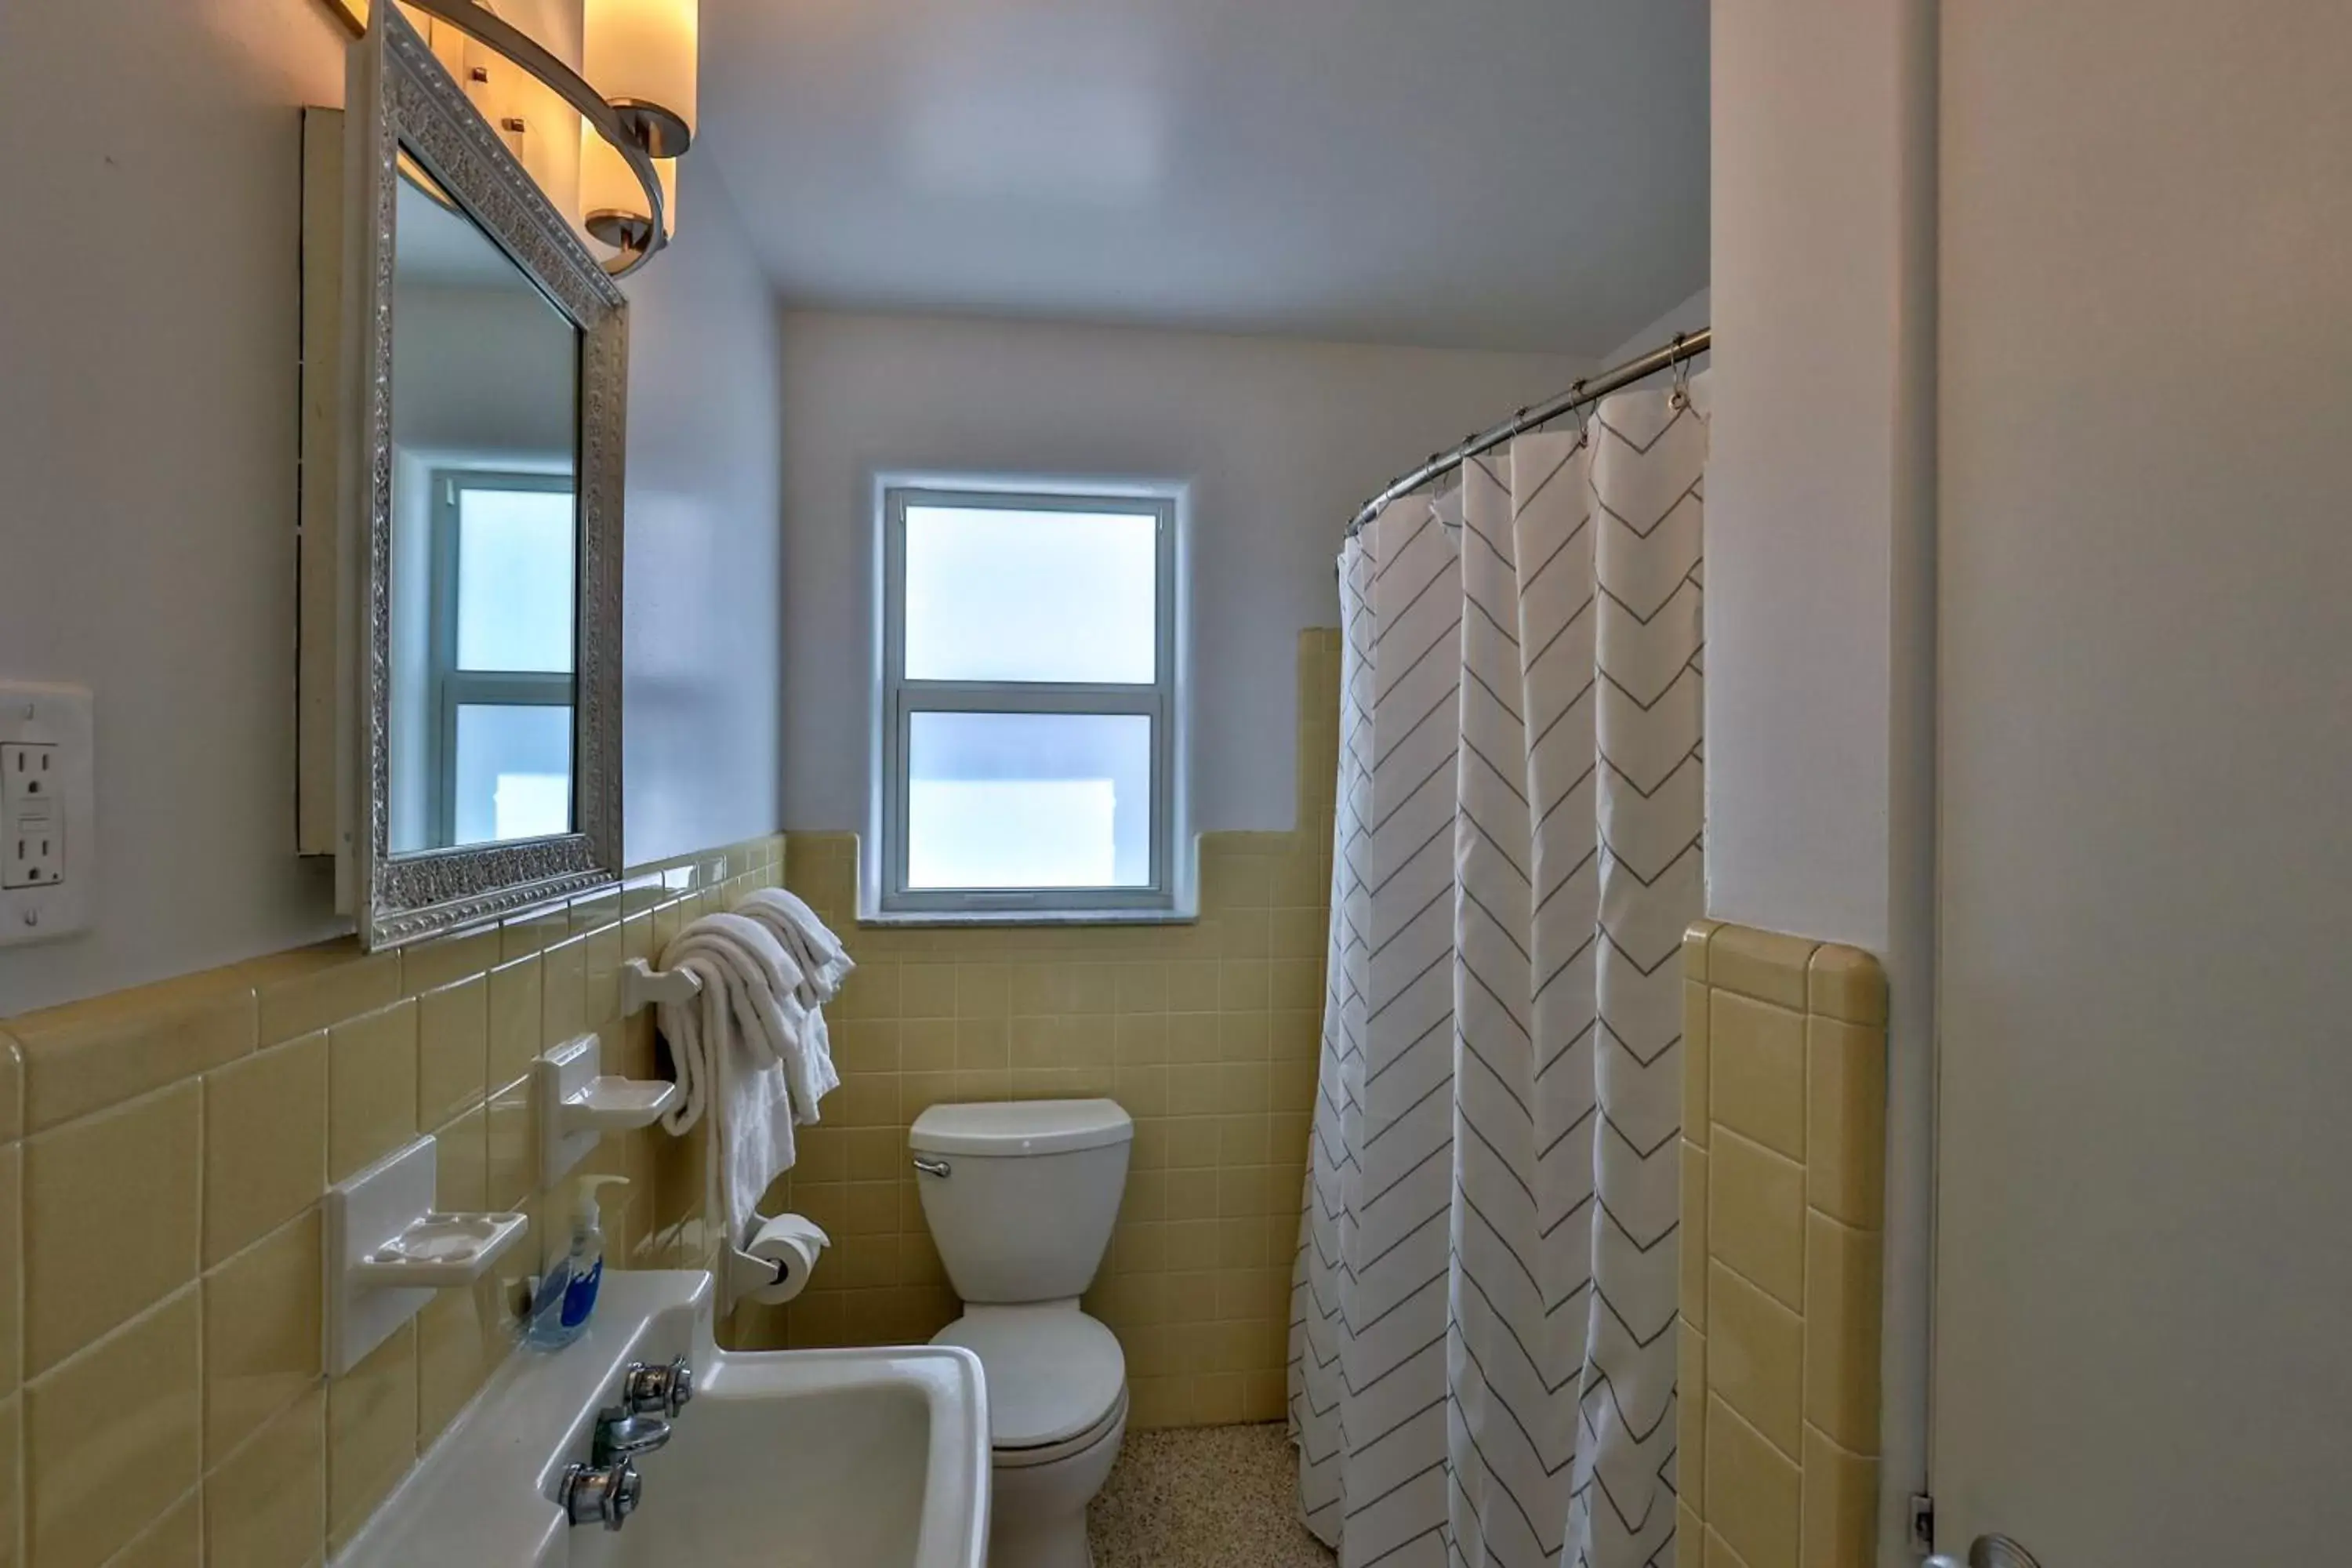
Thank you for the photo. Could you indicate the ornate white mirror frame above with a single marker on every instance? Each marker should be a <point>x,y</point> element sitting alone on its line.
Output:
<point>400,100</point>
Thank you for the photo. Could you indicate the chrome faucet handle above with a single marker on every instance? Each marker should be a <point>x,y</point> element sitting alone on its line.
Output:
<point>600,1494</point>
<point>647,1390</point>
<point>621,1435</point>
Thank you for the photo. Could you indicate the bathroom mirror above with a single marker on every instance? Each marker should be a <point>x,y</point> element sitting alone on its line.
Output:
<point>478,540</point>
<point>485,536</point>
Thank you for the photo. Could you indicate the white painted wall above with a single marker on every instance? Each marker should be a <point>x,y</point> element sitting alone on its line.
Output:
<point>147,441</point>
<point>1815,264</point>
<point>1821,621</point>
<point>705,549</point>
<point>2146,552</point>
<point>1280,440</point>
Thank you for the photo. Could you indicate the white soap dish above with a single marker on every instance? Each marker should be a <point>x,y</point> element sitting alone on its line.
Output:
<point>616,1105</point>
<point>578,1104</point>
<point>389,1248</point>
<point>441,1251</point>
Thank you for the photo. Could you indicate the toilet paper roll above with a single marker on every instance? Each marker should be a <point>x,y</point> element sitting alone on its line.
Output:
<point>792,1244</point>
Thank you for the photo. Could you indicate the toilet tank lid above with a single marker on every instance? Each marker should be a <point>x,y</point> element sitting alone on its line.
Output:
<point>1020,1127</point>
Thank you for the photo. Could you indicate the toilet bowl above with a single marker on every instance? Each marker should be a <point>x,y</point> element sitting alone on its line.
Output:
<point>1020,1198</point>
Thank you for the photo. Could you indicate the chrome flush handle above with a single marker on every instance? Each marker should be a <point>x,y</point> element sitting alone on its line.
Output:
<point>939,1168</point>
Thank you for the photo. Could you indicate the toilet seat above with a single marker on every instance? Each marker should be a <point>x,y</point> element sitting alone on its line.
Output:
<point>1108,1429</point>
<point>1054,1375</point>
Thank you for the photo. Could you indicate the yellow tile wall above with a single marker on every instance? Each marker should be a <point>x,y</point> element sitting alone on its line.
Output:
<point>163,1154</point>
<point>1783,1151</point>
<point>1207,1033</point>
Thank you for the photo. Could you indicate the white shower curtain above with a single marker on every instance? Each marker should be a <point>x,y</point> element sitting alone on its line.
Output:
<point>1481,1363</point>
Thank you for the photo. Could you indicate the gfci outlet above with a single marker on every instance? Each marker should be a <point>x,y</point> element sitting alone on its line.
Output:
<point>48,828</point>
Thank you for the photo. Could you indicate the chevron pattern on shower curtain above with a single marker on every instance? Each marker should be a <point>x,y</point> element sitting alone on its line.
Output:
<point>1482,1356</point>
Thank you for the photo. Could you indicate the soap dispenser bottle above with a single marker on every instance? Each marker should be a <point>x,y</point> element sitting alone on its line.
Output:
<point>561,1306</point>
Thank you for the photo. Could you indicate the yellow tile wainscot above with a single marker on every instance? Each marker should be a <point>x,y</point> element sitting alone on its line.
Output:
<point>1207,1033</point>
<point>1784,1162</point>
<point>164,1150</point>
<point>163,1154</point>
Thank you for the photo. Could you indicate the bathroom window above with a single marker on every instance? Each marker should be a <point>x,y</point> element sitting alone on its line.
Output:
<point>1028,733</point>
<point>503,623</point>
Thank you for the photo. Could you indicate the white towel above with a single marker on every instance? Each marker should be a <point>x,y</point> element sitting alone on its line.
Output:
<point>805,1048</point>
<point>824,963</point>
<point>823,960</point>
<point>741,1048</point>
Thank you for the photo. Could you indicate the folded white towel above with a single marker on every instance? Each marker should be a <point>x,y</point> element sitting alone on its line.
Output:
<point>822,960</point>
<point>740,1049</point>
<point>804,1047</point>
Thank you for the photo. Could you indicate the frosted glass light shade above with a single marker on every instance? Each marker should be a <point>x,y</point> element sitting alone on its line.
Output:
<point>644,51</point>
<point>606,184</point>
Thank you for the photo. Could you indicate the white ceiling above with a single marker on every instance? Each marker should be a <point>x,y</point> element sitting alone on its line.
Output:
<point>1474,174</point>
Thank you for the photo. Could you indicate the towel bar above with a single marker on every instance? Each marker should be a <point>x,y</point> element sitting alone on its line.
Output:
<point>643,985</point>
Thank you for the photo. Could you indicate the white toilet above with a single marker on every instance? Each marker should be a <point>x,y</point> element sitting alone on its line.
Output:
<point>1020,1197</point>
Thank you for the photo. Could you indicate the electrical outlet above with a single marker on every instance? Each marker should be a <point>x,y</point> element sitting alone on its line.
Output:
<point>28,773</point>
<point>49,831</point>
<point>32,851</point>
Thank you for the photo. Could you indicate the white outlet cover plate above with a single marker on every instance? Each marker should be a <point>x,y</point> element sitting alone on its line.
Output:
<point>58,716</point>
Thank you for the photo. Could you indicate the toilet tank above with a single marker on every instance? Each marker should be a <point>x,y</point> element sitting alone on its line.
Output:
<point>1025,1210</point>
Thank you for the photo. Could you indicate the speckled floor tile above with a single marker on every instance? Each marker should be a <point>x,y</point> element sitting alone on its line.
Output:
<point>1203,1497</point>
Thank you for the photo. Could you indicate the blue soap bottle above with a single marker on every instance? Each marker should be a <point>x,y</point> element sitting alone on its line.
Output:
<point>559,1308</point>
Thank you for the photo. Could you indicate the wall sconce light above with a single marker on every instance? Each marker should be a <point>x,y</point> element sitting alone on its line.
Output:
<point>644,56</point>
<point>612,206</point>
<point>644,53</point>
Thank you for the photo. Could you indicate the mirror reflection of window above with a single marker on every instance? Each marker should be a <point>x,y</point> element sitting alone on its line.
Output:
<point>502,586</point>
<point>485,526</point>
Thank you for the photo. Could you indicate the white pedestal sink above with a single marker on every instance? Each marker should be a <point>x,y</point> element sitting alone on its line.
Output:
<point>855,1459</point>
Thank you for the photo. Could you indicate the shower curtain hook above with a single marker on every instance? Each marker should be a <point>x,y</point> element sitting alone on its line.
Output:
<point>1582,411</point>
<point>1679,398</point>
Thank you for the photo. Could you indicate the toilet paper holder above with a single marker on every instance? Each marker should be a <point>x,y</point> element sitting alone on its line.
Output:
<point>743,1273</point>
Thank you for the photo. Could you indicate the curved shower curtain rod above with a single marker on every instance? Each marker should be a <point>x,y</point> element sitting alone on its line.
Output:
<point>1591,389</point>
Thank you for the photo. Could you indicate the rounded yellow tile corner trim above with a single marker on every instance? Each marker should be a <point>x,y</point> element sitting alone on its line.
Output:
<point>1766,964</point>
<point>82,1058</point>
<point>1694,943</point>
<point>12,1088</point>
<point>1846,982</point>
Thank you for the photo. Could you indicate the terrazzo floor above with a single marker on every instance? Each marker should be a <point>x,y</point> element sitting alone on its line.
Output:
<point>1203,1497</point>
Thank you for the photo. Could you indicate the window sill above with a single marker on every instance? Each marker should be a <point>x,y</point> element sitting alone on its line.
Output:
<point>1035,918</point>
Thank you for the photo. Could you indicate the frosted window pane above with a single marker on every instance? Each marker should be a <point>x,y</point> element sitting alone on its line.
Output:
<point>1029,800</point>
<point>514,580</point>
<point>513,773</point>
<point>998,595</point>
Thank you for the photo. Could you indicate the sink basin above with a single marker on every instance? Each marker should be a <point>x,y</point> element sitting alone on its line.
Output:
<point>810,1459</point>
<point>852,1459</point>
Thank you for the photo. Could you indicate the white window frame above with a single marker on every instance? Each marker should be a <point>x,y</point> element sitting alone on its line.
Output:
<point>453,687</point>
<point>1168,893</point>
